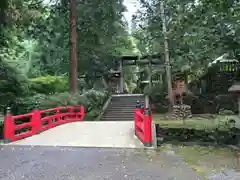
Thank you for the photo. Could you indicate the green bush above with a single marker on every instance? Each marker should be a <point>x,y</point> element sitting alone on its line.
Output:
<point>158,96</point>
<point>49,84</point>
<point>13,83</point>
<point>26,104</point>
<point>62,99</point>
<point>92,101</point>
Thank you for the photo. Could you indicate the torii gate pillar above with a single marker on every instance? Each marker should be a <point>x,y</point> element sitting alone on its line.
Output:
<point>121,76</point>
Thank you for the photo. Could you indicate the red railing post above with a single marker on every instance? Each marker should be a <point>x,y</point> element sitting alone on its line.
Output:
<point>147,124</point>
<point>8,131</point>
<point>36,121</point>
<point>58,115</point>
<point>82,113</point>
<point>137,109</point>
<point>70,113</point>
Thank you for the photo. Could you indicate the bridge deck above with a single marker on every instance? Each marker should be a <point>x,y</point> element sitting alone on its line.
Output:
<point>87,134</point>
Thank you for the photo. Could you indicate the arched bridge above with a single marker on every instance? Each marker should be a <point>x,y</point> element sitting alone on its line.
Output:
<point>58,144</point>
<point>42,127</point>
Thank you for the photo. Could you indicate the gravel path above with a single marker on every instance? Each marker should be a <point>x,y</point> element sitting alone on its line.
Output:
<point>226,174</point>
<point>72,163</point>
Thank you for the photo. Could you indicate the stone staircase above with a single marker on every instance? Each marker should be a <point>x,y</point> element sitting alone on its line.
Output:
<point>121,107</point>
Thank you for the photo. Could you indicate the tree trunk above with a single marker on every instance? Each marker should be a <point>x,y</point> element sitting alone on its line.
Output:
<point>167,61</point>
<point>73,74</point>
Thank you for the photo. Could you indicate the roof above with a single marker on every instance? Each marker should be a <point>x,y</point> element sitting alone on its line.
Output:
<point>235,88</point>
<point>222,59</point>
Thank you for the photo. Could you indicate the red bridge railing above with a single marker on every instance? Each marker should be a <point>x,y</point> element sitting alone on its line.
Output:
<point>22,126</point>
<point>143,125</point>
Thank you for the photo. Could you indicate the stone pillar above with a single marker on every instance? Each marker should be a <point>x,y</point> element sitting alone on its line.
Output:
<point>150,72</point>
<point>150,83</point>
<point>238,104</point>
<point>146,101</point>
<point>121,76</point>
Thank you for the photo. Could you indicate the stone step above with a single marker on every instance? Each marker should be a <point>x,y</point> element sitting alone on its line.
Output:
<point>121,110</point>
<point>117,113</point>
<point>119,116</point>
<point>133,103</point>
<point>128,97</point>
<point>134,100</point>
<point>117,119</point>
<point>130,100</point>
<point>124,104</point>
<point>122,107</point>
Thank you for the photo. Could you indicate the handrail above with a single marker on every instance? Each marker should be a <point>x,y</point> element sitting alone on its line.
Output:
<point>143,126</point>
<point>33,122</point>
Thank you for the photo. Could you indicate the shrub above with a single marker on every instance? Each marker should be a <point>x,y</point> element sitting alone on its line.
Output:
<point>96,99</point>
<point>13,83</point>
<point>49,84</point>
<point>92,101</point>
<point>62,99</point>
<point>158,98</point>
<point>26,104</point>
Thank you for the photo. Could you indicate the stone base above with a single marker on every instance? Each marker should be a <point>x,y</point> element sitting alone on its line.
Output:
<point>148,144</point>
<point>182,111</point>
<point>6,141</point>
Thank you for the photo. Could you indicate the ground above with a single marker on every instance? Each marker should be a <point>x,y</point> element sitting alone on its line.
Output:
<point>196,122</point>
<point>37,160</point>
<point>58,163</point>
<point>205,160</point>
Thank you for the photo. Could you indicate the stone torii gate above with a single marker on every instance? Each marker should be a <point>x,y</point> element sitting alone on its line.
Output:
<point>147,60</point>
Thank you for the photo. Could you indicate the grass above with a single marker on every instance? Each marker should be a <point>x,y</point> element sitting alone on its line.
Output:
<point>207,160</point>
<point>198,123</point>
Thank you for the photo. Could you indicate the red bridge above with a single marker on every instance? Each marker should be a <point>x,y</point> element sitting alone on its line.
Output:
<point>45,132</point>
<point>19,128</point>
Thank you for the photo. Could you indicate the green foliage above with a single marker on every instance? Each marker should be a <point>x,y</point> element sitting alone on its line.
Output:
<point>26,104</point>
<point>95,99</point>
<point>158,94</point>
<point>37,37</point>
<point>91,100</point>
<point>198,32</point>
<point>217,136</point>
<point>49,84</point>
<point>13,83</point>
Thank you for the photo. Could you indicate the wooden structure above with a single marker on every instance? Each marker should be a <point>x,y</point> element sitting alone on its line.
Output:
<point>212,88</point>
<point>113,80</point>
<point>180,86</point>
<point>220,75</point>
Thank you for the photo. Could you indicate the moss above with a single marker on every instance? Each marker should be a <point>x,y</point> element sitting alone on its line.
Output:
<point>207,160</point>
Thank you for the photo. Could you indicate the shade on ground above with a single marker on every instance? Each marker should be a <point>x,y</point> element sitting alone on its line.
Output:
<point>87,134</point>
